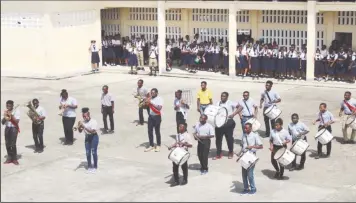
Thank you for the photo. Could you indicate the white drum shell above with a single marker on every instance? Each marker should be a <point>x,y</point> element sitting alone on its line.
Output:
<point>324,136</point>
<point>299,147</point>
<point>217,115</point>
<point>179,155</point>
<point>248,159</point>
<point>284,156</point>
<point>272,112</point>
<point>351,122</point>
<point>256,125</point>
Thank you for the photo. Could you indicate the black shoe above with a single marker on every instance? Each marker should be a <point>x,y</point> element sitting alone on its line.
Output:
<point>111,131</point>
<point>174,184</point>
<point>317,156</point>
<point>300,167</point>
<point>277,174</point>
<point>280,177</point>
<point>184,182</point>
<point>40,151</point>
<point>292,168</point>
<point>327,156</point>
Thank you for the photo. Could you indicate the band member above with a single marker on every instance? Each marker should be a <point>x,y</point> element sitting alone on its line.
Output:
<point>298,130</point>
<point>107,108</point>
<point>143,93</point>
<point>139,46</point>
<point>183,140</point>
<point>202,132</point>
<point>269,97</point>
<point>90,126</point>
<point>227,129</point>
<point>181,109</point>
<point>249,108</point>
<point>38,127</point>
<point>95,59</point>
<point>348,107</point>
<point>204,97</point>
<point>155,103</point>
<point>279,139</point>
<point>68,105</point>
<point>325,119</point>
<point>250,141</point>
<point>11,121</point>
<point>153,64</point>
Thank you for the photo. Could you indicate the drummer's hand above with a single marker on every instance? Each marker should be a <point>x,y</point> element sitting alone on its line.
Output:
<point>314,122</point>
<point>326,125</point>
<point>271,149</point>
<point>249,147</point>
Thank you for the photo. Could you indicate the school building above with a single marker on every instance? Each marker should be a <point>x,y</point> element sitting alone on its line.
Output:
<point>48,38</point>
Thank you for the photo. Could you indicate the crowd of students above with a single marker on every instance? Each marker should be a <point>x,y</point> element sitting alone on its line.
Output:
<point>254,58</point>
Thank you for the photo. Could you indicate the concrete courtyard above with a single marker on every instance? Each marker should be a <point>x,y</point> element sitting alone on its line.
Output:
<point>127,173</point>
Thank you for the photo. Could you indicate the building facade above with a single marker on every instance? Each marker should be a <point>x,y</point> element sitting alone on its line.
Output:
<point>55,35</point>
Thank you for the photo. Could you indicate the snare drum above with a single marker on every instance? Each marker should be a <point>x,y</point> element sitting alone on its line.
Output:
<point>351,122</point>
<point>217,115</point>
<point>179,155</point>
<point>284,156</point>
<point>272,112</point>
<point>248,160</point>
<point>324,136</point>
<point>255,124</point>
<point>299,147</point>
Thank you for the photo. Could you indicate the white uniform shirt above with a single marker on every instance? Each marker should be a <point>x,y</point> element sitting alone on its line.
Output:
<point>94,48</point>
<point>225,52</point>
<point>142,92</point>
<point>330,56</point>
<point>351,102</point>
<point>182,108</point>
<point>248,107</point>
<point>184,137</point>
<point>296,129</point>
<point>324,53</point>
<point>325,117</point>
<point>16,115</point>
<point>116,42</point>
<point>91,125</point>
<point>251,139</point>
<point>203,130</point>
<point>277,138</point>
<point>41,111</point>
<point>153,52</point>
<point>106,99</point>
<point>229,105</point>
<point>139,45</point>
<point>69,112</point>
<point>303,56</point>
<point>157,101</point>
<point>272,94</point>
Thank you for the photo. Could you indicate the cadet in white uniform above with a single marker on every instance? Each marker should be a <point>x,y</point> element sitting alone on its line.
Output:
<point>37,128</point>
<point>95,59</point>
<point>68,106</point>
<point>348,108</point>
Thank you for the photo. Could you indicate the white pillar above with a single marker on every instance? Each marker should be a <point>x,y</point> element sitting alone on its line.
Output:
<point>161,36</point>
<point>311,39</point>
<point>232,40</point>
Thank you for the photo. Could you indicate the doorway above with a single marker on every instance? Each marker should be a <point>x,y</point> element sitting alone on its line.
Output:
<point>344,38</point>
<point>243,35</point>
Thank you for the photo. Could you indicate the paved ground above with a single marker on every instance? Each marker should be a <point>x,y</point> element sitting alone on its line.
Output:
<point>126,173</point>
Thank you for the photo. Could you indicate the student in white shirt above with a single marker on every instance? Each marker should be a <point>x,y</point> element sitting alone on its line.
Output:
<point>38,127</point>
<point>68,106</point>
<point>183,140</point>
<point>347,109</point>
<point>107,108</point>
<point>155,103</point>
<point>11,120</point>
<point>278,140</point>
<point>153,63</point>
<point>181,108</point>
<point>90,127</point>
<point>95,59</point>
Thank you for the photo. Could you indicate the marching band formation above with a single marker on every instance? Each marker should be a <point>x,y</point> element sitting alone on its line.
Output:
<point>216,121</point>
<point>254,58</point>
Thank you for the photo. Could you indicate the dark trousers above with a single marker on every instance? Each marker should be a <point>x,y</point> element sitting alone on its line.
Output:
<point>279,168</point>
<point>328,146</point>
<point>176,173</point>
<point>68,123</point>
<point>91,148</point>
<point>154,122</point>
<point>228,131</point>
<point>37,132</point>
<point>203,153</point>
<point>302,157</point>
<point>268,130</point>
<point>140,114</point>
<point>107,110</point>
<point>10,143</point>
<point>180,120</point>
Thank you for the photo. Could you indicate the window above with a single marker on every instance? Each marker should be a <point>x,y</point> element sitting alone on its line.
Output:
<point>173,33</point>
<point>143,13</point>
<point>21,20</point>
<point>293,17</point>
<point>174,14</point>
<point>243,16</point>
<point>347,17</point>
<point>210,15</point>
<point>207,33</point>
<point>148,31</point>
<point>110,29</point>
<point>110,14</point>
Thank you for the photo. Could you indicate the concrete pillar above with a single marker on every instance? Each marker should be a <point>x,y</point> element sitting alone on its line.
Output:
<point>124,17</point>
<point>185,22</point>
<point>232,40</point>
<point>311,39</point>
<point>161,36</point>
<point>254,24</point>
<point>329,27</point>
